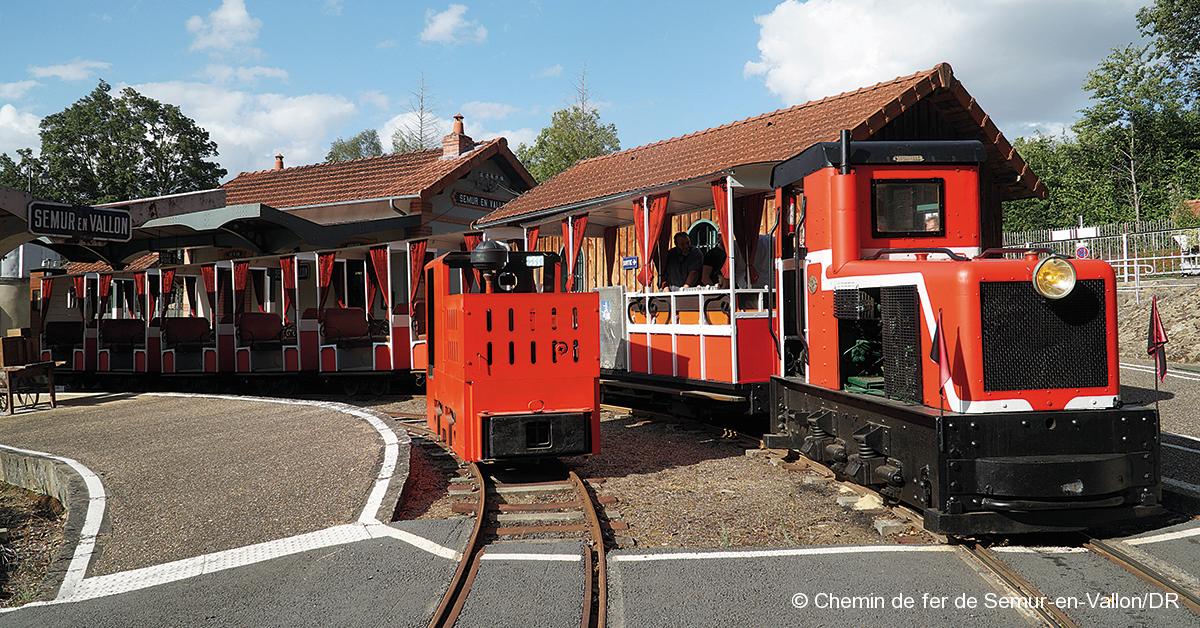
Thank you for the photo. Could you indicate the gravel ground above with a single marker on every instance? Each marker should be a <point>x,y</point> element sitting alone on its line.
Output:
<point>191,476</point>
<point>679,484</point>
<point>34,526</point>
<point>1179,309</point>
<point>425,493</point>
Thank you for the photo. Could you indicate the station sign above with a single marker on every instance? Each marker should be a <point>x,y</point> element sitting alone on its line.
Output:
<point>629,263</point>
<point>79,222</point>
<point>474,200</point>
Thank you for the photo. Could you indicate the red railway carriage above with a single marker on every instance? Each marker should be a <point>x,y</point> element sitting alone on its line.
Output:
<point>1020,427</point>
<point>513,362</point>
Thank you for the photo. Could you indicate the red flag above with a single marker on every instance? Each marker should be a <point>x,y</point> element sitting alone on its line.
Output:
<point>939,355</point>
<point>1156,341</point>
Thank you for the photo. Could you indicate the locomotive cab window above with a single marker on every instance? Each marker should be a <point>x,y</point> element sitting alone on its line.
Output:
<point>908,207</point>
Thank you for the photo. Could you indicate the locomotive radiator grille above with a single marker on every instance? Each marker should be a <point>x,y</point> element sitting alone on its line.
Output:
<point>901,342</point>
<point>1034,343</point>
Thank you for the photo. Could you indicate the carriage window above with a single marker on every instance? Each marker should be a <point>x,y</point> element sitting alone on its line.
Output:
<point>908,207</point>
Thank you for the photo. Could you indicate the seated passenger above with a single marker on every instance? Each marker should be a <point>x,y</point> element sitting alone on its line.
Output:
<point>684,263</point>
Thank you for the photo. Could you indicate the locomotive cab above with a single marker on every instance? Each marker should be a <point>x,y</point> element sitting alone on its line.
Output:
<point>513,362</point>
<point>1018,426</point>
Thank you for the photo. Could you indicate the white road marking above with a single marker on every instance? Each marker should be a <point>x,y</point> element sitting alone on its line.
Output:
<point>1185,437</point>
<point>806,551</point>
<point>564,558</point>
<point>1181,447</point>
<point>97,499</point>
<point>1165,536</point>
<point>1192,377</point>
<point>76,587</point>
<point>1022,549</point>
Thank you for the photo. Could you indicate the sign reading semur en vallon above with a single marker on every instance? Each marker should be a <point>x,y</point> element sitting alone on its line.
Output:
<point>79,222</point>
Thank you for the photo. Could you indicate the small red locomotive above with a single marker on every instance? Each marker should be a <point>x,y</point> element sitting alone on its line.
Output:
<point>513,359</point>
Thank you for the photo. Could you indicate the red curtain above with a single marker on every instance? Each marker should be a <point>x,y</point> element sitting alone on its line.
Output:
<point>721,209</point>
<point>748,219</point>
<point>44,308</point>
<point>531,238</point>
<point>209,275</point>
<point>470,241</point>
<point>324,275</point>
<point>80,294</point>
<point>139,288</point>
<point>287,268</point>
<point>610,250</point>
<point>105,290</point>
<point>647,241</point>
<point>241,272</point>
<point>416,269</point>
<point>168,288</point>
<point>573,228</point>
<point>379,263</point>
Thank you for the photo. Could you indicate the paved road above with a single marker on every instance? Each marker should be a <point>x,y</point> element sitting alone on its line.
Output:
<point>1178,399</point>
<point>376,582</point>
<point>527,584</point>
<point>190,476</point>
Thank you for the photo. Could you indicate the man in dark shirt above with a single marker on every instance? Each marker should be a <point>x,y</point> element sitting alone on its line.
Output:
<point>714,260</point>
<point>683,264</point>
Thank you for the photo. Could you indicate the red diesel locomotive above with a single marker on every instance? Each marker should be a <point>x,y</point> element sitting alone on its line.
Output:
<point>1028,433</point>
<point>513,360</point>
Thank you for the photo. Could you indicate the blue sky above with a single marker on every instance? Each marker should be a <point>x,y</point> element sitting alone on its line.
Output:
<point>266,76</point>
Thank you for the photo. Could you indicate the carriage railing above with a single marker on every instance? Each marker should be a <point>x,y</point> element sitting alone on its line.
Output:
<point>702,310</point>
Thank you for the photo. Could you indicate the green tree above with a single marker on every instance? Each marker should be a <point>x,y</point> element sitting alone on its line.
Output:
<point>1174,26</point>
<point>27,174</point>
<point>574,133</point>
<point>103,149</point>
<point>364,144</point>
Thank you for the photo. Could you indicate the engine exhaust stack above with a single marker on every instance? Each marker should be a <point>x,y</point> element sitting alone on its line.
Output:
<point>843,197</point>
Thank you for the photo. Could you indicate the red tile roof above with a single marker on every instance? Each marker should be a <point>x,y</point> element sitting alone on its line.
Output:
<point>419,173</point>
<point>138,264</point>
<point>768,137</point>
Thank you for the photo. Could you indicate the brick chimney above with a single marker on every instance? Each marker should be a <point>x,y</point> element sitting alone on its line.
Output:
<point>457,142</point>
<point>279,161</point>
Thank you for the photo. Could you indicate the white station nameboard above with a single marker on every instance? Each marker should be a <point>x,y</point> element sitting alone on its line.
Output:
<point>79,222</point>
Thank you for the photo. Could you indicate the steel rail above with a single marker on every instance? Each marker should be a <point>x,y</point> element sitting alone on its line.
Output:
<point>595,611</point>
<point>456,594</point>
<point>1046,610</point>
<point>1113,553</point>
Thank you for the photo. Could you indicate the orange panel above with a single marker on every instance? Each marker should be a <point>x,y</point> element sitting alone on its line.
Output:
<point>139,361</point>
<point>243,360</point>
<point>757,357</point>
<point>420,357</point>
<point>687,356</point>
<point>637,353</point>
<point>383,358</point>
<point>210,361</point>
<point>718,359</point>
<point>103,361</point>
<point>168,362</point>
<point>328,359</point>
<point>291,358</point>
<point>661,354</point>
<point>310,350</point>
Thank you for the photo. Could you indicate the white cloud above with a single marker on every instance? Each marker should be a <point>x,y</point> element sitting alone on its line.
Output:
<point>408,120</point>
<point>1024,60</point>
<point>226,73</point>
<point>550,71</point>
<point>18,129</point>
<point>452,27</point>
<point>75,70</point>
<point>250,128</point>
<point>242,74</point>
<point>228,29</point>
<point>333,7</point>
<point>515,137</point>
<point>476,110</point>
<point>16,90</point>
<point>375,98</point>
<point>386,43</point>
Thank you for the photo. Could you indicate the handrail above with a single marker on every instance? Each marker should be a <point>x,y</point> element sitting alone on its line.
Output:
<point>1001,250</point>
<point>958,257</point>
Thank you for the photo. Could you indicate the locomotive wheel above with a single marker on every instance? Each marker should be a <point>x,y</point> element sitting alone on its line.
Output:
<point>351,386</point>
<point>378,387</point>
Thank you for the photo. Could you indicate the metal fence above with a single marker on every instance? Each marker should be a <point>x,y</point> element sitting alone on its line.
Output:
<point>1137,251</point>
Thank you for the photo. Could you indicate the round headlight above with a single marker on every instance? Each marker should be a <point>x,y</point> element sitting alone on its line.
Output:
<point>1054,278</point>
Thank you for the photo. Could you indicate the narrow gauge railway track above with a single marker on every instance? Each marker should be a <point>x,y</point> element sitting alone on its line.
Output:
<point>560,509</point>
